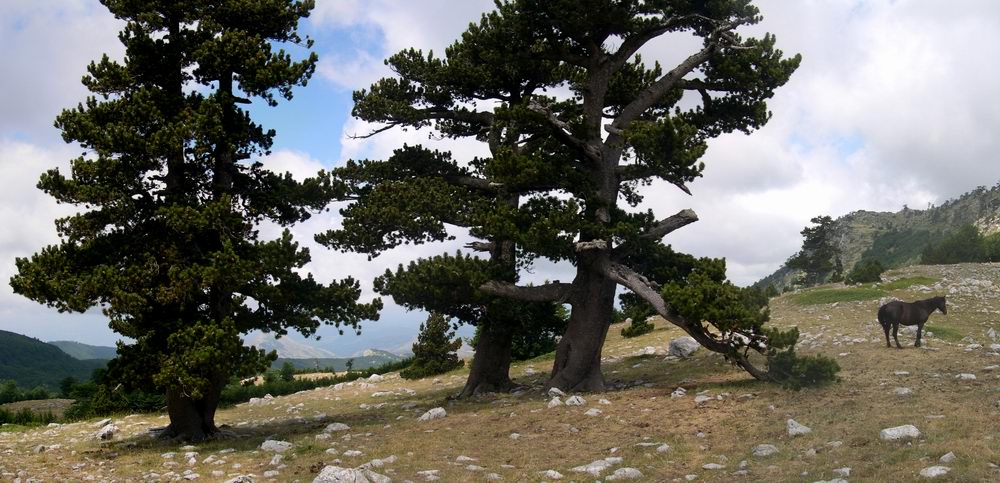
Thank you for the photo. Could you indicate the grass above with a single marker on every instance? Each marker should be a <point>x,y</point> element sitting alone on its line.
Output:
<point>908,282</point>
<point>640,411</point>
<point>831,295</point>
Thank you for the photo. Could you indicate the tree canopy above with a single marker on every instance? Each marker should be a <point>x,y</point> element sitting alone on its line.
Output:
<point>171,193</point>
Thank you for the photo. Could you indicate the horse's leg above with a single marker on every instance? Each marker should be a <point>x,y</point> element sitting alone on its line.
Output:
<point>895,336</point>
<point>920,330</point>
<point>885,328</point>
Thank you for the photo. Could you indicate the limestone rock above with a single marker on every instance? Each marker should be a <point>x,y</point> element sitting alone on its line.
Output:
<point>275,446</point>
<point>762,450</point>
<point>435,413</point>
<point>907,431</point>
<point>796,429</point>
<point>683,346</point>
<point>934,471</point>
<point>336,474</point>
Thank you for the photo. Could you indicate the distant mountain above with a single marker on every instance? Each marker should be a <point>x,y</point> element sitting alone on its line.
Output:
<point>363,360</point>
<point>81,351</point>
<point>288,348</point>
<point>898,239</point>
<point>31,362</point>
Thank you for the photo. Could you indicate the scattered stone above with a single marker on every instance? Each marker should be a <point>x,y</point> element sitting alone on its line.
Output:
<point>576,401</point>
<point>702,399</point>
<point>713,466</point>
<point>515,436</point>
<point>376,378</point>
<point>551,474</point>
<point>845,471</point>
<point>595,468</point>
<point>106,432</point>
<point>625,474</point>
<point>663,448</point>
<point>556,392</point>
<point>555,402</point>
<point>903,391</point>
<point>796,429</point>
<point>934,471</point>
<point>907,431</point>
<point>465,459</point>
<point>966,376</point>
<point>336,427</point>
<point>762,450</point>
<point>493,477</point>
<point>902,373</point>
<point>683,346</point>
<point>275,446</point>
<point>351,453</point>
<point>604,402</point>
<point>102,423</point>
<point>593,412</point>
<point>679,392</point>
<point>949,457</point>
<point>435,413</point>
<point>336,474</point>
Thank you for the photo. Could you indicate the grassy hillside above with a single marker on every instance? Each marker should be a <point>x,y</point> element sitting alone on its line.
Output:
<point>374,359</point>
<point>81,351</point>
<point>31,362</point>
<point>712,437</point>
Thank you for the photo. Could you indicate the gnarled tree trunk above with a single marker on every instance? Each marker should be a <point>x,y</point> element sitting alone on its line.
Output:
<point>578,356</point>
<point>193,419</point>
<point>491,364</point>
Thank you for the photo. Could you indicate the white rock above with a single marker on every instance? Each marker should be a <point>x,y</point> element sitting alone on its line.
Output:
<point>106,432</point>
<point>555,402</point>
<point>493,477</point>
<point>966,376</point>
<point>625,474</point>
<point>593,412</point>
<point>604,402</point>
<point>551,474</point>
<point>845,471</point>
<point>336,474</point>
<point>683,346</point>
<point>351,453</point>
<point>762,450</point>
<point>515,436</point>
<point>275,446</point>
<point>375,378</point>
<point>556,392</point>
<point>679,392</point>
<point>703,398</point>
<point>934,471</point>
<point>465,459</point>
<point>435,413</point>
<point>712,466</point>
<point>796,429</point>
<point>595,468</point>
<point>576,401</point>
<point>336,427</point>
<point>906,431</point>
<point>903,391</point>
<point>102,423</point>
<point>949,457</point>
<point>663,448</point>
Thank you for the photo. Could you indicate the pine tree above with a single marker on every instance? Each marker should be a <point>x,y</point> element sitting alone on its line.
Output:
<point>434,352</point>
<point>171,193</point>
<point>817,258</point>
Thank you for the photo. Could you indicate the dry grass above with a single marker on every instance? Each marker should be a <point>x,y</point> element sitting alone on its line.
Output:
<point>641,411</point>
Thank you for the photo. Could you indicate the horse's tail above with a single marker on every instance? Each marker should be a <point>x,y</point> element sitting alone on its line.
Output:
<point>883,315</point>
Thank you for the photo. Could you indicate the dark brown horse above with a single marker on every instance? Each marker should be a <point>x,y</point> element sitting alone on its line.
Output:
<point>896,313</point>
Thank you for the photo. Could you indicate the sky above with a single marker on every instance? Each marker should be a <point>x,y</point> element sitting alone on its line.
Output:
<point>895,103</point>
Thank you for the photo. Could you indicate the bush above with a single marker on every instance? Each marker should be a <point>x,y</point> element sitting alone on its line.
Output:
<point>435,349</point>
<point>637,327</point>
<point>865,271</point>
<point>10,392</point>
<point>287,372</point>
<point>963,246</point>
<point>792,371</point>
<point>26,417</point>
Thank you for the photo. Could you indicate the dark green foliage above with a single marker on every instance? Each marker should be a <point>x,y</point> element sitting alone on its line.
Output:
<point>792,371</point>
<point>349,365</point>
<point>434,351</point>
<point>30,362</point>
<point>171,195</point>
<point>10,392</point>
<point>26,417</point>
<point>896,248</point>
<point>865,271</point>
<point>966,245</point>
<point>538,332</point>
<point>817,258</point>
<point>637,327</point>
<point>287,372</point>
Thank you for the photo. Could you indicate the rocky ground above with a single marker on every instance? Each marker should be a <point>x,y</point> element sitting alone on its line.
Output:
<point>896,415</point>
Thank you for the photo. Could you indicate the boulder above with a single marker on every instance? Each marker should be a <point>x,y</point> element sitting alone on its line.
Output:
<point>336,474</point>
<point>934,471</point>
<point>106,432</point>
<point>762,450</point>
<point>275,446</point>
<point>625,474</point>
<point>435,413</point>
<point>907,431</point>
<point>683,346</point>
<point>575,401</point>
<point>796,429</point>
<point>336,427</point>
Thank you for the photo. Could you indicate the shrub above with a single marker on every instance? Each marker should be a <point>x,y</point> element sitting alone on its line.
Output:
<point>637,327</point>
<point>865,271</point>
<point>792,371</point>
<point>287,372</point>
<point>435,349</point>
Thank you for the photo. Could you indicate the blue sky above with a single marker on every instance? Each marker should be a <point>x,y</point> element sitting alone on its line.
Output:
<point>890,107</point>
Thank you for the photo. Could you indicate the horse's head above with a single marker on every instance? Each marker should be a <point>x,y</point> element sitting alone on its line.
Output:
<point>940,304</point>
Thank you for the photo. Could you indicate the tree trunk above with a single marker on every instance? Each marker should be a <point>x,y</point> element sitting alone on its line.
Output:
<point>191,419</point>
<point>577,366</point>
<point>491,364</point>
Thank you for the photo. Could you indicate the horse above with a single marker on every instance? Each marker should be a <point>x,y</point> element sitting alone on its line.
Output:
<point>916,313</point>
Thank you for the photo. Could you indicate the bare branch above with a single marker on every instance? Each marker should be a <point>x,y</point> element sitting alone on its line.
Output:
<point>480,246</point>
<point>550,292</point>
<point>667,225</point>
<point>374,131</point>
<point>591,245</point>
<point>474,183</point>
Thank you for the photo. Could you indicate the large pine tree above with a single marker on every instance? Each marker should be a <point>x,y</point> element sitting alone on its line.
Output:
<point>171,196</point>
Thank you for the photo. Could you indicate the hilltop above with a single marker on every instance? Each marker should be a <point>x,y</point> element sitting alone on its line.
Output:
<point>710,429</point>
<point>31,362</point>
<point>79,350</point>
<point>897,239</point>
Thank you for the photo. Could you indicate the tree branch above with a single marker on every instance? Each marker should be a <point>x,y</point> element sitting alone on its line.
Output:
<point>663,227</point>
<point>649,292</point>
<point>562,131</point>
<point>480,246</point>
<point>550,292</point>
